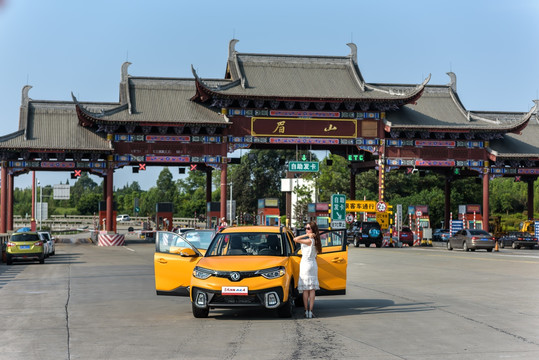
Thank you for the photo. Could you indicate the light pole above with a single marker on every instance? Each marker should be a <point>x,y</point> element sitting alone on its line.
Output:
<point>231,220</point>
<point>40,203</point>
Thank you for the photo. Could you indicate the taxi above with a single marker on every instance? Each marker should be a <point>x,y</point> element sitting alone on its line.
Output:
<point>247,266</point>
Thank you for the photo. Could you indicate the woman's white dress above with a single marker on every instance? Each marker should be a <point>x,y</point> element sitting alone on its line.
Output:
<point>308,269</point>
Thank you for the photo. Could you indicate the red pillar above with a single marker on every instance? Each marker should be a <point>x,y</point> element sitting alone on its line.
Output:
<point>485,199</point>
<point>10,202</point>
<point>3,199</point>
<point>223,189</point>
<point>109,199</point>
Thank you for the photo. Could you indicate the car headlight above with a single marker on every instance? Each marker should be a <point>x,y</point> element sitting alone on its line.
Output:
<point>202,273</point>
<point>272,273</point>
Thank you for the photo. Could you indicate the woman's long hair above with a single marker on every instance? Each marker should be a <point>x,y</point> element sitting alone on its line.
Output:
<point>317,241</point>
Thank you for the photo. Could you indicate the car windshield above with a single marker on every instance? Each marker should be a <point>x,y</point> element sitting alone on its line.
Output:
<point>266,244</point>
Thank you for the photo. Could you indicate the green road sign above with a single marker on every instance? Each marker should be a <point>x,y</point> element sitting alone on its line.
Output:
<point>338,207</point>
<point>303,166</point>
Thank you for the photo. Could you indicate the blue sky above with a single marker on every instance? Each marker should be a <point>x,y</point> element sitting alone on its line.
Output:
<point>64,46</point>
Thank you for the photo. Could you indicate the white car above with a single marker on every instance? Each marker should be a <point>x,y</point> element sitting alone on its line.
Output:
<point>123,218</point>
<point>48,243</point>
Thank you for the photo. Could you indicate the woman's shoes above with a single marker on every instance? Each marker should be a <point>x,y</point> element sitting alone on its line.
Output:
<point>309,314</point>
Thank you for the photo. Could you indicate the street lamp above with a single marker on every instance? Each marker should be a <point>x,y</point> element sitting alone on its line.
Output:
<point>231,220</point>
<point>40,203</point>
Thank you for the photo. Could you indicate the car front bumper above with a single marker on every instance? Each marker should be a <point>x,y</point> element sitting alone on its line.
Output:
<point>269,298</point>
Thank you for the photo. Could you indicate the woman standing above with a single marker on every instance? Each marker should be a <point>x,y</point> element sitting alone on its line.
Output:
<point>308,269</point>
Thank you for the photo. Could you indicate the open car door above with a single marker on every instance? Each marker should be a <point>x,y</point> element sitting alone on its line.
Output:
<point>174,261</point>
<point>332,262</point>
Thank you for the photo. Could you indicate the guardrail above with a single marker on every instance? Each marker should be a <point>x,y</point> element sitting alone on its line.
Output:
<point>68,222</point>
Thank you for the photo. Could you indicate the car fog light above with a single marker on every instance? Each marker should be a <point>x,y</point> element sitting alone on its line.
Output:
<point>201,299</point>
<point>272,300</point>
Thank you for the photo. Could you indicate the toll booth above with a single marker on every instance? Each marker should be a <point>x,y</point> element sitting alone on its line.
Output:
<point>419,219</point>
<point>268,212</point>
<point>103,216</point>
<point>213,211</point>
<point>163,216</point>
<point>316,210</point>
<point>471,216</point>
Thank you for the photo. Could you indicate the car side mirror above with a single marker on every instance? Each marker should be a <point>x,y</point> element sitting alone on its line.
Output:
<point>188,253</point>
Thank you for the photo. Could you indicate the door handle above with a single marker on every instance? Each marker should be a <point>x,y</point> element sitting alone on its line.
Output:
<point>162,261</point>
<point>337,260</point>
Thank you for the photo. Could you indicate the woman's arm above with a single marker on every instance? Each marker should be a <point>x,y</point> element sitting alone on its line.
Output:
<point>304,239</point>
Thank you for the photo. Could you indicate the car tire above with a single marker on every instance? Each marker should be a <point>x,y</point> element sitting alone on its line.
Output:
<point>515,246</point>
<point>9,260</point>
<point>378,245</point>
<point>356,241</point>
<point>502,245</point>
<point>489,250</point>
<point>449,247</point>
<point>200,312</point>
<point>42,260</point>
<point>465,247</point>
<point>287,309</point>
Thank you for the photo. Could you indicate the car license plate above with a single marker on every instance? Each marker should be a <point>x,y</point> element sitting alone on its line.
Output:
<point>234,290</point>
<point>24,247</point>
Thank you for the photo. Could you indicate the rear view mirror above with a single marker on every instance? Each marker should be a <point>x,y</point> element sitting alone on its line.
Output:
<point>188,253</point>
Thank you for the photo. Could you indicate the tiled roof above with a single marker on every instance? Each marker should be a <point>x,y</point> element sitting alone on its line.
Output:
<point>162,100</point>
<point>440,109</point>
<point>55,126</point>
<point>523,146</point>
<point>299,77</point>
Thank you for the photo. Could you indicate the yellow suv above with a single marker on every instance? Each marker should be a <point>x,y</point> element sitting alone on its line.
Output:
<point>250,266</point>
<point>25,246</point>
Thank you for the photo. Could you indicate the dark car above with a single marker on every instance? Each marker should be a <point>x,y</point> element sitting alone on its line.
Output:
<point>441,235</point>
<point>471,239</point>
<point>367,233</point>
<point>406,236</point>
<point>518,239</point>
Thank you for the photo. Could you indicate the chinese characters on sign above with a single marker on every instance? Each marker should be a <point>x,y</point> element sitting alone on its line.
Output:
<point>360,206</point>
<point>338,207</point>
<point>303,166</point>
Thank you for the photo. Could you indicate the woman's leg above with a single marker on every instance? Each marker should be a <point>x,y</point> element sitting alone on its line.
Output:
<point>311,299</point>
<point>306,299</point>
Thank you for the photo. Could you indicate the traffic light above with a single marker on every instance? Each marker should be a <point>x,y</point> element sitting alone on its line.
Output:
<point>456,171</point>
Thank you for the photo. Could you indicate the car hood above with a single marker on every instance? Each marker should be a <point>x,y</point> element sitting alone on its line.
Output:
<point>242,262</point>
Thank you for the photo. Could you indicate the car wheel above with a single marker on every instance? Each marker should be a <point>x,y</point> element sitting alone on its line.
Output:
<point>42,260</point>
<point>514,246</point>
<point>465,246</point>
<point>489,250</point>
<point>200,312</point>
<point>378,245</point>
<point>287,309</point>
<point>502,245</point>
<point>449,247</point>
<point>356,241</point>
<point>9,260</point>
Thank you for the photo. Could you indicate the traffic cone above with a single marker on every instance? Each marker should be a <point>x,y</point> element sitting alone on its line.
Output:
<point>496,246</point>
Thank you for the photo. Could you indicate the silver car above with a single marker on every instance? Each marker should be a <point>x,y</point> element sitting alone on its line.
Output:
<point>48,243</point>
<point>471,239</point>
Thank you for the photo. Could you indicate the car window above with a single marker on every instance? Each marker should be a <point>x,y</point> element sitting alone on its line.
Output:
<point>478,232</point>
<point>248,244</point>
<point>200,239</point>
<point>24,237</point>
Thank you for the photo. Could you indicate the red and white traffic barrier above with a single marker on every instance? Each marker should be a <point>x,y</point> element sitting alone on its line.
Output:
<point>110,240</point>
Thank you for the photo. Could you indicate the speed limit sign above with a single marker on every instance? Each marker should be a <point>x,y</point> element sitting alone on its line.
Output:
<point>381,206</point>
<point>349,218</point>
